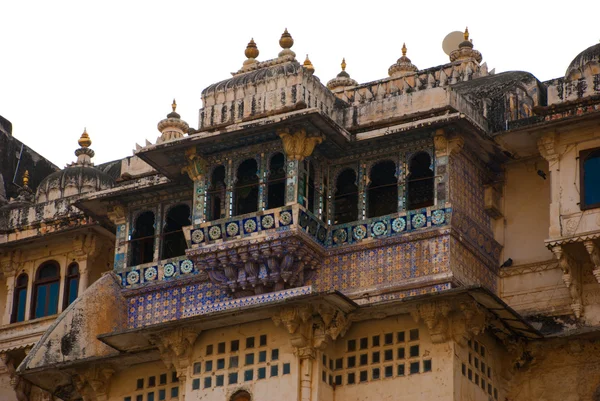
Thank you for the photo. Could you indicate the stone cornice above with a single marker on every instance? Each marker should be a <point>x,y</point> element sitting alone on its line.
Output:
<point>528,268</point>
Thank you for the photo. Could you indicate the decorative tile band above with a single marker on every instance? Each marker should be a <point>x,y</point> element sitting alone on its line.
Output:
<point>164,270</point>
<point>203,309</point>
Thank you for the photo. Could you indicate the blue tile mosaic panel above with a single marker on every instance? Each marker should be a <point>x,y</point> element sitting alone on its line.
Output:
<point>155,272</point>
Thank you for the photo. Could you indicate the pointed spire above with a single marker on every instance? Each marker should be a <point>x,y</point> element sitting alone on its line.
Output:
<point>466,34</point>
<point>251,53</point>
<point>172,127</point>
<point>342,79</point>
<point>308,65</point>
<point>174,105</point>
<point>465,51</point>
<point>403,66</point>
<point>84,153</point>
<point>286,42</point>
<point>84,141</point>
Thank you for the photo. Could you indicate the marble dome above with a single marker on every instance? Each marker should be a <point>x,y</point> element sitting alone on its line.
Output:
<point>77,178</point>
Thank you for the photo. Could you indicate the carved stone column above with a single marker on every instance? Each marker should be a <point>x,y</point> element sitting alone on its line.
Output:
<point>196,170</point>
<point>297,145</point>
<point>571,277</point>
<point>10,291</point>
<point>547,146</point>
<point>83,276</point>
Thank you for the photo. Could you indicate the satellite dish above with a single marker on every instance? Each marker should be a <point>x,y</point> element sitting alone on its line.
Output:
<point>451,41</point>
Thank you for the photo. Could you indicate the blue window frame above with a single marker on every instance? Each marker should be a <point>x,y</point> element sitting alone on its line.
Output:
<point>20,300</point>
<point>46,288</point>
<point>590,178</point>
<point>71,284</point>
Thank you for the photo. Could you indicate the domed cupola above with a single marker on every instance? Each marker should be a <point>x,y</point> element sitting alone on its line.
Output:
<point>76,178</point>
<point>586,63</point>
<point>172,127</point>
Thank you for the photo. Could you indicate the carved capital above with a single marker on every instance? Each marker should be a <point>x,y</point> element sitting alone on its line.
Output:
<point>306,353</point>
<point>195,166</point>
<point>571,278</point>
<point>455,145</point>
<point>116,214</point>
<point>292,317</point>
<point>435,317</point>
<point>298,145</point>
<point>93,383</point>
<point>175,348</point>
<point>547,146</point>
<point>440,143</point>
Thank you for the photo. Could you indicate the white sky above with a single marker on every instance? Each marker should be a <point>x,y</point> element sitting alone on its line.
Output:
<point>115,66</point>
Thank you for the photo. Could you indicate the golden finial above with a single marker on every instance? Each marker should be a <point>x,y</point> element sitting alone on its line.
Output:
<point>251,49</point>
<point>84,141</point>
<point>404,49</point>
<point>26,178</point>
<point>308,64</point>
<point>344,64</point>
<point>466,34</point>
<point>174,105</point>
<point>286,40</point>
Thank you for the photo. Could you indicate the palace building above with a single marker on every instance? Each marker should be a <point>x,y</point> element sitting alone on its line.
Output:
<point>432,235</point>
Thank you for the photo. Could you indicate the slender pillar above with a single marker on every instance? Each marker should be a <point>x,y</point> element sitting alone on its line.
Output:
<point>83,276</point>
<point>10,296</point>
<point>306,358</point>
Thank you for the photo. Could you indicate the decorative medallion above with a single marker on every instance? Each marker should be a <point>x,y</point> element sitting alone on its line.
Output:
<point>250,225</point>
<point>133,277</point>
<point>398,225</point>
<point>303,220</point>
<point>438,217</point>
<point>321,234</point>
<point>197,236</point>
<point>340,236</point>
<point>267,221</point>
<point>379,228</point>
<point>214,232</point>
<point>359,232</point>
<point>233,229</point>
<point>285,218</point>
<point>312,227</point>
<point>150,273</point>
<point>419,220</point>
<point>169,270</point>
<point>186,266</point>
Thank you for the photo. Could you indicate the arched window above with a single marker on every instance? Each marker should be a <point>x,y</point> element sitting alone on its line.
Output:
<point>420,182</point>
<point>71,285</point>
<point>142,239</point>
<point>590,178</point>
<point>246,188</point>
<point>45,292</point>
<point>241,395</point>
<point>20,299</point>
<point>216,194</point>
<point>276,188</point>
<point>345,203</point>
<point>174,244</point>
<point>382,192</point>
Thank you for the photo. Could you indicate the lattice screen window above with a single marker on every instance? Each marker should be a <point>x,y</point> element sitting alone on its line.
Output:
<point>478,371</point>
<point>229,364</point>
<point>375,357</point>
<point>156,388</point>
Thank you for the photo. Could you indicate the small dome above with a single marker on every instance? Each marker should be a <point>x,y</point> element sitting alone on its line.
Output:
<point>577,66</point>
<point>73,180</point>
<point>77,178</point>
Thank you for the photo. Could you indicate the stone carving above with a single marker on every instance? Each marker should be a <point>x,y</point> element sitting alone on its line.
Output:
<point>446,320</point>
<point>594,252</point>
<point>547,147</point>
<point>196,165</point>
<point>175,347</point>
<point>21,387</point>
<point>571,278</point>
<point>298,145</point>
<point>116,214</point>
<point>93,383</point>
<point>292,317</point>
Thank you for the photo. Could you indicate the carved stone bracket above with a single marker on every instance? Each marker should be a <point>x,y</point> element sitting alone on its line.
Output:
<point>195,166</point>
<point>571,277</point>
<point>93,383</point>
<point>298,145</point>
<point>594,252</point>
<point>116,214</point>
<point>175,348</point>
<point>547,147</point>
<point>251,268</point>
<point>85,246</point>
<point>446,320</point>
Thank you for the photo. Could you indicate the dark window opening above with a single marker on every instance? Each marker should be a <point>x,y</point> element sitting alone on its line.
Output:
<point>276,188</point>
<point>346,198</point>
<point>216,194</point>
<point>174,244</point>
<point>142,239</point>
<point>71,284</point>
<point>420,182</point>
<point>46,287</point>
<point>383,189</point>
<point>20,300</point>
<point>590,179</point>
<point>246,188</point>
<point>311,188</point>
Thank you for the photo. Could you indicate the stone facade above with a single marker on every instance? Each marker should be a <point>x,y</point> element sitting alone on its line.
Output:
<point>431,235</point>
